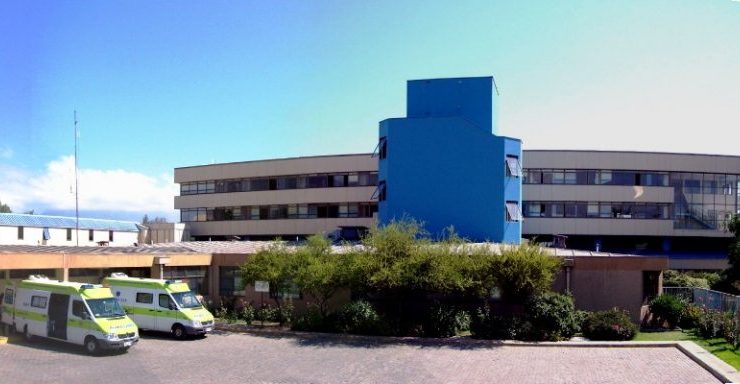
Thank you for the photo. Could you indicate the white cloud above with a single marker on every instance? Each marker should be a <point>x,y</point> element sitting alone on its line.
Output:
<point>6,153</point>
<point>99,190</point>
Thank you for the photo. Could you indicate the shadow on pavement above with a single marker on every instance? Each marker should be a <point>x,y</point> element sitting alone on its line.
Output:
<point>42,343</point>
<point>307,339</point>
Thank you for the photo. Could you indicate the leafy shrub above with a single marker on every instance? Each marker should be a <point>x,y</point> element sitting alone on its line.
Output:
<point>282,314</point>
<point>710,324</point>
<point>485,325</point>
<point>614,324</point>
<point>315,321</point>
<point>552,316</point>
<point>690,316</point>
<point>730,329</point>
<point>445,321</point>
<point>673,278</point>
<point>220,312</point>
<point>667,308</point>
<point>361,318</point>
<point>247,313</point>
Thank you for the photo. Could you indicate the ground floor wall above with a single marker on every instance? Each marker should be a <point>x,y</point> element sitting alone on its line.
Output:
<point>601,283</point>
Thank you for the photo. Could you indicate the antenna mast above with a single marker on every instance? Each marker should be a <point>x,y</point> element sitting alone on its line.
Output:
<point>77,195</point>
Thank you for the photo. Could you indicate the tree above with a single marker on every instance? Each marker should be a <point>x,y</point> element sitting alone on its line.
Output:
<point>276,264</point>
<point>4,208</point>
<point>322,273</point>
<point>156,219</point>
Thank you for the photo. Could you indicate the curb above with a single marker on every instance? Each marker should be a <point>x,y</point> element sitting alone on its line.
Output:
<point>712,364</point>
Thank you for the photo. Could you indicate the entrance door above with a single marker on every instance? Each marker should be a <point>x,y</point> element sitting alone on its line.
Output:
<point>58,310</point>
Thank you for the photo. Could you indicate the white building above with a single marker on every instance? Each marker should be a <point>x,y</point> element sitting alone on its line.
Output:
<point>22,229</point>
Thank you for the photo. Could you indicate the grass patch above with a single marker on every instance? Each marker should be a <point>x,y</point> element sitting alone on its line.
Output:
<point>718,347</point>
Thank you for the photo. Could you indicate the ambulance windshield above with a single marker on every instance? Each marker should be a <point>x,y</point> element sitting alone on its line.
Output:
<point>102,308</point>
<point>186,300</point>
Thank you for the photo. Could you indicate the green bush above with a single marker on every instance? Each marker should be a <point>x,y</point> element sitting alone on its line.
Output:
<point>445,321</point>
<point>710,324</point>
<point>221,312</point>
<point>667,308</point>
<point>485,325</point>
<point>673,278</point>
<point>361,318</point>
<point>730,329</point>
<point>614,324</point>
<point>247,314</point>
<point>315,321</point>
<point>282,314</point>
<point>691,316</point>
<point>552,316</point>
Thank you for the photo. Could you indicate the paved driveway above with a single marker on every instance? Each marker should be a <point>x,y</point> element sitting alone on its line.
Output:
<point>237,358</point>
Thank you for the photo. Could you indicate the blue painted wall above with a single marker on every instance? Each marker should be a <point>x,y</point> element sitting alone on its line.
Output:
<point>444,166</point>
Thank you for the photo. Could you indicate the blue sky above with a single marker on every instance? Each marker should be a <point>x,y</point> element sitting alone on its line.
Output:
<point>164,84</point>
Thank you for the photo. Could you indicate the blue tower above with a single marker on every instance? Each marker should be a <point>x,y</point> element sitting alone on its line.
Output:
<point>444,165</point>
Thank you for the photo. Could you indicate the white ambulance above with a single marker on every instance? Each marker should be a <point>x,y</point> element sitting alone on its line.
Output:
<point>161,305</point>
<point>83,314</point>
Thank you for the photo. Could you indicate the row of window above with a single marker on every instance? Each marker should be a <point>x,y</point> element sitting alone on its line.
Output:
<point>707,183</point>
<point>595,177</point>
<point>230,284</point>
<point>612,210</point>
<point>90,234</point>
<point>283,211</point>
<point>355,179</point>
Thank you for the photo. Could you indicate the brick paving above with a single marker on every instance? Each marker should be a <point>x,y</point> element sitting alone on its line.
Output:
<point>239,358</point>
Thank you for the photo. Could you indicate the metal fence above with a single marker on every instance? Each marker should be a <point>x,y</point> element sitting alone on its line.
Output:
<point>707,298</point>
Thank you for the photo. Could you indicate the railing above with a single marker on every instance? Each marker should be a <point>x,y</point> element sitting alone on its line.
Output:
<point>707,298</point>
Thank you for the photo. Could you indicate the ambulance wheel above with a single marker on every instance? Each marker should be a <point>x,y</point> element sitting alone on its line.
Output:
<point>27,335</point>
<point>91,345</point>
<point>178,332</point>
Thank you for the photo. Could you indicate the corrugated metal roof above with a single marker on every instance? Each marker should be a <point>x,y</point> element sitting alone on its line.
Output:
<point>43,221</point>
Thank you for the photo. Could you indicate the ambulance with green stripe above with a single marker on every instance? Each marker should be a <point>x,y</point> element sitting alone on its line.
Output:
<point>161,305</point>
<point>83,314</point>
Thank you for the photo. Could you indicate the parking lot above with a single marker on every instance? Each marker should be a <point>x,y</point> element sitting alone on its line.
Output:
<point>240,358</point>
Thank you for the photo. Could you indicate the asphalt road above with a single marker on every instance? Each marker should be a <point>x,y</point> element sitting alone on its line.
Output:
<point>239,358</point>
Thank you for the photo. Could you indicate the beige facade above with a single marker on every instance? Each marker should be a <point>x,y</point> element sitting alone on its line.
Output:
<point>685,210</point>
<point>346,198</point>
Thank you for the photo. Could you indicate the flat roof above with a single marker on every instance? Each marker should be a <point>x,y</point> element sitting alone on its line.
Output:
<point>640,152</point>
<point>47,221</point>
<point>251,247</point>
<point>276,159</point>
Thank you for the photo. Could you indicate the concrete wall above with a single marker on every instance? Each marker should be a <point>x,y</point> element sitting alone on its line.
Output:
<point>601,283</point>
<point>278,167</point>
<point>34,236</point>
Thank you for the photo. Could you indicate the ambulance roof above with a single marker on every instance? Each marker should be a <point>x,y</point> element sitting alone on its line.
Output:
<point>141,282</point>
<point>88,291</point>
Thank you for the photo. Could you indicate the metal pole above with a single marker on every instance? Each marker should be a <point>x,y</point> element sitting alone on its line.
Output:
<point>77,195</point>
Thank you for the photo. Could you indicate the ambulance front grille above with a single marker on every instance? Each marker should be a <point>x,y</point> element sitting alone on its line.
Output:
<point>126,335</point>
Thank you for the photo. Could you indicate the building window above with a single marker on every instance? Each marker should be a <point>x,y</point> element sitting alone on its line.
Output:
<point>90,235</point>
<point>69,234</point>
<point>20,233</point>
<point>383,148</point>
<point>110,235</point>
<point>513,167</point>
<point>380,192</point>
<point>513,213</point>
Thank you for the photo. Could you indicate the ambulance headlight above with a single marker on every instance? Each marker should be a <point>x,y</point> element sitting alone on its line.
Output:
<point>197,324</point>
<point>111,336</point>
